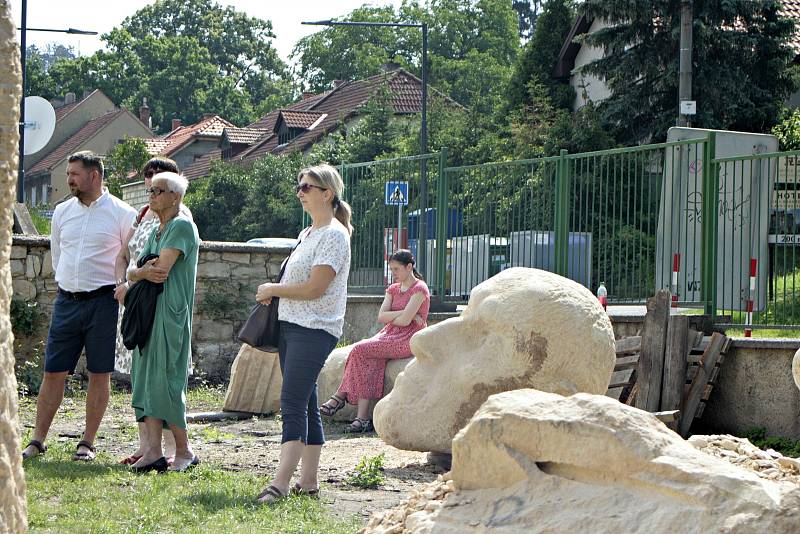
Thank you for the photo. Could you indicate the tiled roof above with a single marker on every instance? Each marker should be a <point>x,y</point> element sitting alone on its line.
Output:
<point>73,144</point>
<point>267,122</point>
<point>300,119</point>
<point>200,168</point>
<point>62,111</point>
<point>208,127</point>
<point>405,93</point>
<point>155,145</point>
<point>791,9</point>
<point>245,136</point>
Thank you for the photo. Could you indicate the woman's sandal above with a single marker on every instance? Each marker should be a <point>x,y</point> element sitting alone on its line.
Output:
<point>84,456</point>
<point>41,447</point>
<point>272,494</point>
<point>298,490</point>
<point>359,426</point>
<point>330,411</point>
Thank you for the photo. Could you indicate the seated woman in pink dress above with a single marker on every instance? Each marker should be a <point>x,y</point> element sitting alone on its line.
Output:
<point>404,312</point>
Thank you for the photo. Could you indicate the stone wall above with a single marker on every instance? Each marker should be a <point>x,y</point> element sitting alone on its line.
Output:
<point>227,277</point>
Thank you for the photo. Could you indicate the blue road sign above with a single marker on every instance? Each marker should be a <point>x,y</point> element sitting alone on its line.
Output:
<point>396,194</point>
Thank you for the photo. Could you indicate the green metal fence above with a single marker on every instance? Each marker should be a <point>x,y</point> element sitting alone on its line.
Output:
<point>638,219</point>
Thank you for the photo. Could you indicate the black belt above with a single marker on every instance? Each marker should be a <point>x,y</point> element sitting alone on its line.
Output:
<point>87,295</point>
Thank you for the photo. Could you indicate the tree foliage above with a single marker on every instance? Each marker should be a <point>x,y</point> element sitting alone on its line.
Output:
<point>237,203</point>
<point>539,56</point>
<point>740,64</point>
<point>471,47</point>
<point>188,58</point>
<point>125,158</point>
<point>788,130</point>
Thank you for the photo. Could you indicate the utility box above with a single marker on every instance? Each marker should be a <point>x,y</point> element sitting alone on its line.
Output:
<point>743,216</point>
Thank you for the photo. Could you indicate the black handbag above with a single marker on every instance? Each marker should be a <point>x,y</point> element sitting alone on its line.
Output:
<point>261,329</point>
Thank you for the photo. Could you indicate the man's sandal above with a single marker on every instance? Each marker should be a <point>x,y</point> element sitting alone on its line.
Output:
<point>359,426</point>
<point>330,411</point>
<point>40,447</point>
<point>83,456</point>
<point>299,490</point>
<point>271,495</point>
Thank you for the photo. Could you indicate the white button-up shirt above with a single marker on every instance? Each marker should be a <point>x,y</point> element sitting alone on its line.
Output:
<point>85,241</point>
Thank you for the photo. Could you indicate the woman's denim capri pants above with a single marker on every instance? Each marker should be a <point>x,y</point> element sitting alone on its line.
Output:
<point>302,352</point>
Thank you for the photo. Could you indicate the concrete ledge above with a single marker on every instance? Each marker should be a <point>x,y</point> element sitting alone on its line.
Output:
<point>753,343</point>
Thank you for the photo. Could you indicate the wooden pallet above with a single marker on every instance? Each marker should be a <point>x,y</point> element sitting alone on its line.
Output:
<point>623,379</point>
<point>702,370</point>
<point>683,364</point>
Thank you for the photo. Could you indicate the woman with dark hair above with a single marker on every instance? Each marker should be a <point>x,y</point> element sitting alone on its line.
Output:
<point>313,296</point>
<point>144,224</point>
<point>404,312</point>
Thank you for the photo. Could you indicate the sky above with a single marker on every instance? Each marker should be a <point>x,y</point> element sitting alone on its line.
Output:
<point>103,15</point>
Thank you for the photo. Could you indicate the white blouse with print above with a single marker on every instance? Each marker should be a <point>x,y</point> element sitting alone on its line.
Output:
<point>329,245</point>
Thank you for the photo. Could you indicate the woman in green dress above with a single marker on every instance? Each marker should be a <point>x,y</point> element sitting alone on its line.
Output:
<point>159,371</point>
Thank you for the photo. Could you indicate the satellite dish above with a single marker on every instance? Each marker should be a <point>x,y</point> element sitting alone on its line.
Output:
<point>40,121</point>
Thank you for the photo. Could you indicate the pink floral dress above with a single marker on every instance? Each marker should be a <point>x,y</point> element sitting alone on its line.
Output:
<point>364,370</point>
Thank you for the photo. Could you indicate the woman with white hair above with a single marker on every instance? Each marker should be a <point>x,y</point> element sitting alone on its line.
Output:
<point>159,371</point>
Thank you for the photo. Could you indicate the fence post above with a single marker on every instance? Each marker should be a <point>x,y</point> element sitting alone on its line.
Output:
<point>562,215</point>
<point>442,195</point>
<point>709,234</point>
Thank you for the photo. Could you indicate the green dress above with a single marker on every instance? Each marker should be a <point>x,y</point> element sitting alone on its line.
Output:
<point>160,370</point>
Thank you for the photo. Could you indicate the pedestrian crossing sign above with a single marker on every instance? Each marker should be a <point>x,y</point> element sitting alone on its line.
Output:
<point>396,194</point>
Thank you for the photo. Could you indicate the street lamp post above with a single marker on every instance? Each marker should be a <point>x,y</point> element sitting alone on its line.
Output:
<point>423,137</point>
<point>23,29</point>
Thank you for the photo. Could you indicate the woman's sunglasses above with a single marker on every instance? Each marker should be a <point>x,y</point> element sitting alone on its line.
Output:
<point>155,191</point>
<point>306,187</point>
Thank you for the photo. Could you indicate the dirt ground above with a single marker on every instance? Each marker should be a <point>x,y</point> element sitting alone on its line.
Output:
<point>254,445</point>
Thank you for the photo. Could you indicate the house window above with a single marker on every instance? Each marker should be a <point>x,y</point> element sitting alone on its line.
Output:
<point>287,134</point>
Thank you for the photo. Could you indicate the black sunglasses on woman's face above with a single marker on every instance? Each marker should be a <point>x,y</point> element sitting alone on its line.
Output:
<point>306,187</point>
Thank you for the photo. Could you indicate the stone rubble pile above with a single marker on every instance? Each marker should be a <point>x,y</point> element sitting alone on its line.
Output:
<point>768,464</point>
<point>412,515</point>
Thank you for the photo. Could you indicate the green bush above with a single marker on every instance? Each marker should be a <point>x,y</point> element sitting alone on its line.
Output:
<point>788,130</point>
<point>24,317</point>
<point>368,473</point>
<point>785,446</point>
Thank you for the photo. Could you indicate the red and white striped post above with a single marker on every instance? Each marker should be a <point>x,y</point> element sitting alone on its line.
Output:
<point>676,266</point>
<point>748,332</point>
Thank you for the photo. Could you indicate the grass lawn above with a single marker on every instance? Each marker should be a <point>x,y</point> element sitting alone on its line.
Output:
<point>104,496</point>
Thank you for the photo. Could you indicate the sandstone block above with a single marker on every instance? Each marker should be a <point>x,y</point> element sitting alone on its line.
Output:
<point>522,328</point>
<point>33,266</point>
<point>23,289</point>
<point>17,268</point>
<point>18,252</point>
<point>47,264</point>
<point>236,257</point>
<point>331,377</point>
<point>531,461</point>
<point>255,384</point>
<point>214,270</point>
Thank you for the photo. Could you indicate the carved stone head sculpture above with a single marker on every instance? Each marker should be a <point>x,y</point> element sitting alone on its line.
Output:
<point>523,328</point>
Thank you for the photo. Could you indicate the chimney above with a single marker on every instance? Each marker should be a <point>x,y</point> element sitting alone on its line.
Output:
<point>307,94</point>
<point>337,83</point>
<point>176,123</point>
<point>144,113</point>
<point>69,98</point>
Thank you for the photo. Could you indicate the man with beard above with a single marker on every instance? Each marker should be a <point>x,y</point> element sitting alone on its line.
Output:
<point>87,233</point>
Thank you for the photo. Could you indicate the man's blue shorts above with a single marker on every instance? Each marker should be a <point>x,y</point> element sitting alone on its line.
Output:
<point>89,323</point>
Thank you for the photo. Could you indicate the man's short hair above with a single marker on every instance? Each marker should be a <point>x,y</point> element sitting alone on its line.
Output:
<point>90,161</point>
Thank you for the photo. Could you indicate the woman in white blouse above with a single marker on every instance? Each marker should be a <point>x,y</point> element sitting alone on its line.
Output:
<point>313,296</point>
